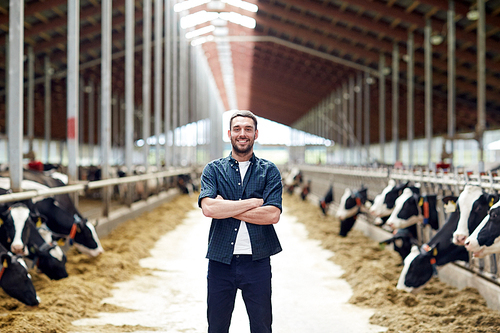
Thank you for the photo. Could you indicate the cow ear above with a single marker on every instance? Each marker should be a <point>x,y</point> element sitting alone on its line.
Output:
<point>5,260</point>
<point>492,199</point>
<point>450,204</point>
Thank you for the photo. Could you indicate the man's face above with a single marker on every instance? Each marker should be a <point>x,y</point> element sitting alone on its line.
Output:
<point>242,134</point>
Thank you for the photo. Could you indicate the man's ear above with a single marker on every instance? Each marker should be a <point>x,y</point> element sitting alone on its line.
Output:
<point>229,133</point>
<point>256,134</point>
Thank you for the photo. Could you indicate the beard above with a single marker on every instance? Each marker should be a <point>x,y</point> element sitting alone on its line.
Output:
<point>248,148</point>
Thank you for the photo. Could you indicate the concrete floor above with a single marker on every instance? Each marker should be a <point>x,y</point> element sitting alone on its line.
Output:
<point>308,294</point>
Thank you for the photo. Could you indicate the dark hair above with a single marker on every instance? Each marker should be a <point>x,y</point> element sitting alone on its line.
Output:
<point>243,113</point>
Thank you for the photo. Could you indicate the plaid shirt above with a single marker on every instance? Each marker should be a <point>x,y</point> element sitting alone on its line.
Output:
<point>262,180</point>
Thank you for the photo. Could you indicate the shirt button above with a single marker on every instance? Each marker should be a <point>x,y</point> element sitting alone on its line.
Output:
<point>232,243</point>
<point>236,169</point>
<point>239,183</point>
<point>235,229</point>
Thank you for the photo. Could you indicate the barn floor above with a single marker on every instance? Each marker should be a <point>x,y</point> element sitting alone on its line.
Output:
<point>173,298</point>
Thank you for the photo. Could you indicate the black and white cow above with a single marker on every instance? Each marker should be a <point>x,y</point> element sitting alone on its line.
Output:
<point>292,180</point>
<point>485,239</point>
<point>351,204</point>
<point>19,233</point>
<point>49,258</point>
<point>15,279</point>
<point>411,208</point>
<point>475,203</point>
<point>403,240</point>
<point>442,248</point>
<point>383,204</point>
<point>421,264</point>
<point>324,203</point>
<point>60,214</point>
<point>306,189</point>
<point>14,233</point>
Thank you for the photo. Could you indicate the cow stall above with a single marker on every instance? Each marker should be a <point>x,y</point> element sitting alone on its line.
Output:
<point>479,273</point>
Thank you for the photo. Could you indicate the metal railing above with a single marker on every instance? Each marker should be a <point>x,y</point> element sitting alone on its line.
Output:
<point>440,183</point>
<point>88,185</point>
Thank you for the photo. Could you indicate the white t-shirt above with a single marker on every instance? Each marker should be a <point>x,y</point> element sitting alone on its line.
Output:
<point>242,244</point>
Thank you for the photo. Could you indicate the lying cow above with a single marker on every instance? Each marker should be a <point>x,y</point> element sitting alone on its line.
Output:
<point>421,264</point>
<point>324,203</point>
<point>485,239</point>
<point>60,214</point>
<point>15,279</point>
<point>476,203</point>
<point>383,204</point>
<point>351,204</point>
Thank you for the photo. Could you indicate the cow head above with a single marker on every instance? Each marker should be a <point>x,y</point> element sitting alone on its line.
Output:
<point>383,204</point>
<point>402,241</point>
<point>49,258</point>
<point>417,270</point>
<point>485,239</point>
<point>14,232</point>
<point>406,210</point>
<point>473,205</point>
<point>15,279</point>
<point>64,224</point>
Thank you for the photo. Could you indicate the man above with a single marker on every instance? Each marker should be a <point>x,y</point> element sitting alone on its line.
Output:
<point>242,195</point>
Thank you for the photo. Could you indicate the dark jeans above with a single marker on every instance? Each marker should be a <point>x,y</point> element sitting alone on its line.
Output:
<point>254,280</point>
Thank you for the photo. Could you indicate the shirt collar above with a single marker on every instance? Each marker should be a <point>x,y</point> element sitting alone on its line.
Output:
<point>233,161</point>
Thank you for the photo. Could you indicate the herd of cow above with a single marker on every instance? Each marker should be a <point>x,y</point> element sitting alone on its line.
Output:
<point>36,229</point>
<point>472,225</point>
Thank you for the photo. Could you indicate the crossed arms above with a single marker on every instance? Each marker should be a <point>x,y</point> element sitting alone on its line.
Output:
<point>248,210</point>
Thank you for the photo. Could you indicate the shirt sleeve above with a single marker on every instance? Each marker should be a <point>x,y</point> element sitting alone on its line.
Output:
<point>208,183</point>
<point>274,188</point>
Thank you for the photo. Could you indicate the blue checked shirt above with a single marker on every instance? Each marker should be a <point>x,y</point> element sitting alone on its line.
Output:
<point>262,180</point>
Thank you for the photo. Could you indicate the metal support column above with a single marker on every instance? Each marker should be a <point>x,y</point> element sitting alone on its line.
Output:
<point>350,122</point>
<point>47,105</point>
<point>72,96</point>
<point>410,122</point>
<point>91,114</point>
<point>366,91</point>
<point>15,93</point>
<point>452,91</point>
<point>381,106</point>
<point>175,86</point>
<point>428,89</point>
<point>158,77</point>
<point>129,92</point>
<point>106,99</point>
<point>146,82</point>
<point>481,81</point>
<point>395,101</point>
<point>168,81</point>
<point>31,97</point>
<point>359,115</point>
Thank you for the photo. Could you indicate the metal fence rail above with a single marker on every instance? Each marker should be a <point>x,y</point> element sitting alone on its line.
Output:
<point>440,183</point>
<point>29,194</point>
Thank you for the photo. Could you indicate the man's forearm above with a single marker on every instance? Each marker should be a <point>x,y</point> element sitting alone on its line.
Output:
<point>261,215</point>
<point>221,209</point>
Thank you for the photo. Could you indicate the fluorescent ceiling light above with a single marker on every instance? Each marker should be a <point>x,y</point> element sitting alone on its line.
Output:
<point>242,20</point>
<point>473,15</point>
<point>436,39</point>
<point>203,16</point>
<point>199,32</point>
<point>185,5</point>
<point>197,18</point>
<point>243,5</point>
